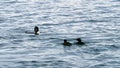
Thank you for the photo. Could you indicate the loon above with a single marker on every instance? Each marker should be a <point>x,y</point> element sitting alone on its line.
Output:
<point>66,43</point>
<point>79,42</point>
<point>36,31</point>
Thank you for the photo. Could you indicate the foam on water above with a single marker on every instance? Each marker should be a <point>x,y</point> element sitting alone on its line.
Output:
<point>96,22</point>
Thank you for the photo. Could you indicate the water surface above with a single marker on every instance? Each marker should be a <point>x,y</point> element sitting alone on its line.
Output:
<point>96,22</point>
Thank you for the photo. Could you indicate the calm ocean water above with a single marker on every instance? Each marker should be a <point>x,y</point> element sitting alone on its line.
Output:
<point>97,22</point>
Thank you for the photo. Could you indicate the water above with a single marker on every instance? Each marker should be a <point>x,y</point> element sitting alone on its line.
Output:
<point>97,22</point>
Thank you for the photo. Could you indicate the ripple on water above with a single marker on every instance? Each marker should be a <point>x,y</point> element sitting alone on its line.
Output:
<point>40,63</point>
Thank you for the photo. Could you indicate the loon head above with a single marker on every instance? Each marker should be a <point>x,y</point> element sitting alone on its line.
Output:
<point>65,40</point>
<point>78,39</point>
<point>36,30</point>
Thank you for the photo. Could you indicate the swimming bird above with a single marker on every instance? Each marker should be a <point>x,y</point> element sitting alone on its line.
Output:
<point>36,30</point>
<point>79,41</point>
<point>66,43</point>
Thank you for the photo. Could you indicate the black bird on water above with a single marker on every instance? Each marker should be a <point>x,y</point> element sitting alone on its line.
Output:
<point>36,30</point>
<point>66,43</point>
<point>79,41</point>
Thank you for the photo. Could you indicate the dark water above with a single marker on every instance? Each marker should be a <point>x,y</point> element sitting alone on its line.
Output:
<point>97,22</point>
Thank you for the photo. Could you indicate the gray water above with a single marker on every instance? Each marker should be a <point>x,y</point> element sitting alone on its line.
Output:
<point>96,22</point>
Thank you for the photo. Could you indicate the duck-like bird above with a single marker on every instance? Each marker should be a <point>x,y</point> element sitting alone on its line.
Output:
<point>36,31</point>
<point>66,43</point>
<point>79,42</point>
